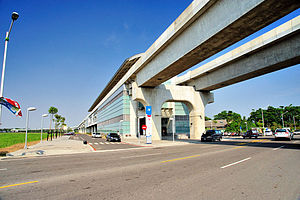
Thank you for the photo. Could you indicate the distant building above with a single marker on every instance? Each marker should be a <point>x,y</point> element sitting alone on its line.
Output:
<point>216,124</point>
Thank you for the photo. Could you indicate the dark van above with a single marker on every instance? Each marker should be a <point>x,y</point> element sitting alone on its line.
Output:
<point>113,137</point>
<point>211,135</point>
<point>253,133</point>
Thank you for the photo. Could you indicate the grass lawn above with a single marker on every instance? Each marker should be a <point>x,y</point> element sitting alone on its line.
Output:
<point>9,139</point>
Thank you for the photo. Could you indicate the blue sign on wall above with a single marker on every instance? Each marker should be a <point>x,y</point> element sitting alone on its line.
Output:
<point>148,110</point>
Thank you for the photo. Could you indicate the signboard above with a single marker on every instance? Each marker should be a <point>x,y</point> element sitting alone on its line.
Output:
<point>148,110</point>
<point>144,127</point>
<point>148,125</point>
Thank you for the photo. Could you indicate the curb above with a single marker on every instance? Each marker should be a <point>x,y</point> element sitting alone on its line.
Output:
<point>92,147</point>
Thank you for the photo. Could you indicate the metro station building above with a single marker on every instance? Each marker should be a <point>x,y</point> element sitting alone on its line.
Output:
<point>111,112</point>
<point>147,79</point>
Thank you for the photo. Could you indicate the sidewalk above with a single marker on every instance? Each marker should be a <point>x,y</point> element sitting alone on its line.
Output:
<point>65,145</point>
<point>61,145</point>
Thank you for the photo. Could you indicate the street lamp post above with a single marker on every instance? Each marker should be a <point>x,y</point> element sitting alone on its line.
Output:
<point>44,115</point>
<point>262,116</point>
<point>27,119</point>
<point>14,17</point>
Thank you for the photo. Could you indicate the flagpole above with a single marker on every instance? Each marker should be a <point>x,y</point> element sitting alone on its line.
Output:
<point>14,17</point>
<point>3,70</point>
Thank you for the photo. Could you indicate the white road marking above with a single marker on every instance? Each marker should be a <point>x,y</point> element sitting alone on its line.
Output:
<point>101,143</point>
<point>142,155</point>
<point>278,148</point>
<point>90,143</point>
<point>95,143</point>
<point>106,142</point>
<point>236,163</point>
<point>3,169</point>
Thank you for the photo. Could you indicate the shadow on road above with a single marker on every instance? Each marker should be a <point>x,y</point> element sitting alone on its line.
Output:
<point>262,142</point>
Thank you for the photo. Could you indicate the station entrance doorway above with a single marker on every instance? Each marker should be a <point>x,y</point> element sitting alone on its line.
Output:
<point>142,121</point>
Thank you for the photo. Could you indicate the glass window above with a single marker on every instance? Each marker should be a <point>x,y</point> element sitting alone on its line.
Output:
<point>280,130</point>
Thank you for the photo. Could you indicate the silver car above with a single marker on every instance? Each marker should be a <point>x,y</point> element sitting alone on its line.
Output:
<point>283,133</point>
<point>297,132</point>
<point>96,135</point>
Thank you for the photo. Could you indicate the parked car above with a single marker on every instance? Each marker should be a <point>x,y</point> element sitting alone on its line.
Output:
<point>297,132</point>
<point>96,135</point>
<point>70,133</point>
<point>113,137</point>
<point>251,133</point>
<point>211,135</point>
<point>283,133</point>
<point>268,132</point>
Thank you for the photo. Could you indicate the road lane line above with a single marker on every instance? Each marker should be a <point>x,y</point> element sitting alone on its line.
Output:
<point>95,143</point>
<point>194,156</point>
<point>142,155</point>
<point>278,148</point>
<point>3,169</point>
<point>241,143</point>
<point>236,163</point>
<point>6,186</point>
<point>257,141</point>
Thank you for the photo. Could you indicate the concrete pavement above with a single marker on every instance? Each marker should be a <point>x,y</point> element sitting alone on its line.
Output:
<point>219,170</point>
<point>61,145</point>
<point>155,143</point>
<point>73,145</point>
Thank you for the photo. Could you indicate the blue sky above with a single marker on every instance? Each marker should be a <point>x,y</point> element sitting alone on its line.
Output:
<point>62,53</point>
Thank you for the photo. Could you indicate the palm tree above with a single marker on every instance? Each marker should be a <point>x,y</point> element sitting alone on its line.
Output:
<point>57,120</point>
<point>57,123</point>
<point>62,120</point>
<point>52,110</point>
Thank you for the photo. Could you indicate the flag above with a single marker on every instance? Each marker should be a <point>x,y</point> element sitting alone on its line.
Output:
<point>12,105</point>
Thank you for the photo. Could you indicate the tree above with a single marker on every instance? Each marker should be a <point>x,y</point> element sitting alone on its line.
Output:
<point>52,110</point>
<point>207,118</point>
<point>62,124</point>
<point>234,120</point>
<point>273,116</point>
<point>221,115</point>
<point>57,120</point>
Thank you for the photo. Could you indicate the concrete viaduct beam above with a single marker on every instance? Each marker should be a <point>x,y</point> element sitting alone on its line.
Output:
<point>202,30</point>
<point>275,50</point>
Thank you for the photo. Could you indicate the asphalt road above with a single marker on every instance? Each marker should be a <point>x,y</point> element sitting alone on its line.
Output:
<point>237,169</point>
<point>102,144</point>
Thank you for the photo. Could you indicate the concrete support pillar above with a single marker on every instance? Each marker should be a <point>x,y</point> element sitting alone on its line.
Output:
<point>197,125</point>
<point>155,97</point>
<point>133,118</point>
<point>156,126</point>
